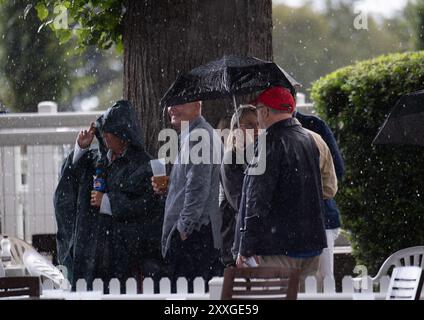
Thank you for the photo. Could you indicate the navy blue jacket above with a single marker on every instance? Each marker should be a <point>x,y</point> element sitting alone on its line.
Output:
<point>317,125</point>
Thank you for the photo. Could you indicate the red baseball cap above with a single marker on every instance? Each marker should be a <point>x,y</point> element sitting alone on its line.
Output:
<point>278,98</point>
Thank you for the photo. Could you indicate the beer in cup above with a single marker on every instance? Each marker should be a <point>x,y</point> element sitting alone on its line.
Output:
<point>159,173</point>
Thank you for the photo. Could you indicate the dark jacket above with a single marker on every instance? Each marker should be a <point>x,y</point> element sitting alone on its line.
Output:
<point>315,124</point>
<point>232,176</point>
<point>281,211</point>
<point>91,244</point>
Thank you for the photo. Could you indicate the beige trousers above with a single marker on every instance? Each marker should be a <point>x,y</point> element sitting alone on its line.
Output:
<point>307,266</point>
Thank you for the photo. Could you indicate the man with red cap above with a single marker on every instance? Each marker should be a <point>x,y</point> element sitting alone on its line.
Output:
<point>281,215</point>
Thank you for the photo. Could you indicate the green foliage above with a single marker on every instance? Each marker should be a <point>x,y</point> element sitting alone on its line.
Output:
<point>93,22</point>
<point>33,67</point>
<point>414,14</point>
<point>381,197</point>
<point>310,43</point>
<point>42,11</point>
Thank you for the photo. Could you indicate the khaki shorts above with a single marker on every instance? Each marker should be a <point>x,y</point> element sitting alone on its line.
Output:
<point>307,266</point>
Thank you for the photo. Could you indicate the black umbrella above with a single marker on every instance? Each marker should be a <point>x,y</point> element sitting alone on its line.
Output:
<point>405,124</point>
<point>227,77</point>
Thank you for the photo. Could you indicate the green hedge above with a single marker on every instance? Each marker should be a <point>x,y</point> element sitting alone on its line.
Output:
<point>382,195</point>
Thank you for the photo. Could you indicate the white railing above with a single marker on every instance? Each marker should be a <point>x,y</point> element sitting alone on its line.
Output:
<point>32,148</point>
<point>349,290</point>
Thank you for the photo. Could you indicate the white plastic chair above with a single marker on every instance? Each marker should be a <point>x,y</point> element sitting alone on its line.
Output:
<point>413,256</point>
<point>37,265</point>
<point>405,284</point>
<point>17,249</point>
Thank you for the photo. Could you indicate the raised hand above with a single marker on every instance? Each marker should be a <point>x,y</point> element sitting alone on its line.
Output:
<point>85,137</point>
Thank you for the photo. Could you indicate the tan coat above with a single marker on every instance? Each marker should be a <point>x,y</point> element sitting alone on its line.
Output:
<point>326,165</point>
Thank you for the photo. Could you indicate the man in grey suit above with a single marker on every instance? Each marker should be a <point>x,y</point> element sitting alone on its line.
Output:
<point>192,222</point>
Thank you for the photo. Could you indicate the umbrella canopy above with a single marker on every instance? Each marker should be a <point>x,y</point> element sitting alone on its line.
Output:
<point>405,124</point>
<point>227,77</point>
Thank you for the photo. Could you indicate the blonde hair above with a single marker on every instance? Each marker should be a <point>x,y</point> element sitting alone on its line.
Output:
<point>234,125</point>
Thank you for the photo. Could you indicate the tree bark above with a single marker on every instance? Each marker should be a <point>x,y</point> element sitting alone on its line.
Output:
<point>163,38</point>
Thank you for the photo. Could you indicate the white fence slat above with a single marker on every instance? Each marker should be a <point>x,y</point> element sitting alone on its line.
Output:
<point>199,285</point>
<point>9,215</point>
<point>182,285</point>
<point>215,288</point>
<point>114,286</point>
<point>32,194</point>
<point>165,286</point>
<point>65,285</point>
<point>369,285</point>
<point>310,285</point>
<point>329,285</point>
<point>131,286</point>
<point>347,284</point>
<point>42,179</point>
<point>98,285</point>
<point>384,284</point>
<point>48,284</point>
<point>148,286</point>
<point>51,166</point>
<point>81,285</point>
<point>44,145</point>
<point>10,198</point>
<point>9,166</point>
<point>51,226</point>
<point>37,214</point>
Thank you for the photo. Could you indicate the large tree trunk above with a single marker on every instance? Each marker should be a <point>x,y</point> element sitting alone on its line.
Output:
<point>166,37</point>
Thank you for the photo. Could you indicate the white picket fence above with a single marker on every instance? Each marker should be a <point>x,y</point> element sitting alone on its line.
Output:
<point>351,290</point>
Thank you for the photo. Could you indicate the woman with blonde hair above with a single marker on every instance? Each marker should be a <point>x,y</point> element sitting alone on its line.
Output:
<point>243,131</point>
